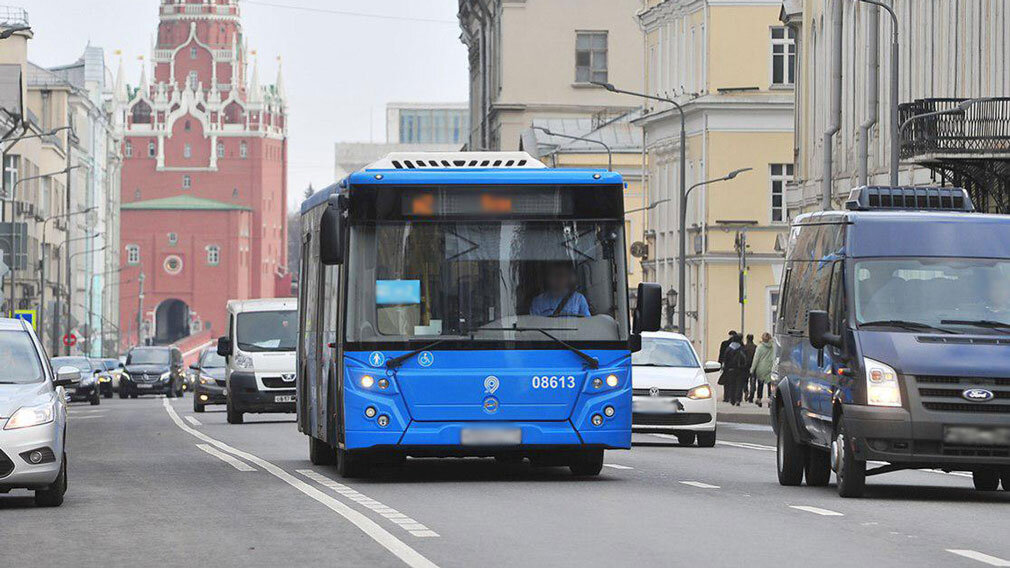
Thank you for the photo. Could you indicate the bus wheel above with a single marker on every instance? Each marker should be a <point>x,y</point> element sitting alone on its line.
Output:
<point>321,453</point>
<point>791,455</point>
<point>351,465</point>
<point>587,463</point>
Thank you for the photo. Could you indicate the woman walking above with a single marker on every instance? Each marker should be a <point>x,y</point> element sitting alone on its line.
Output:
<point>761,367</point>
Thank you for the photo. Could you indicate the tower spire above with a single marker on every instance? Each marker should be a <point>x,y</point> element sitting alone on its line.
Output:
<point>254,83</point>
<point>279,84</point>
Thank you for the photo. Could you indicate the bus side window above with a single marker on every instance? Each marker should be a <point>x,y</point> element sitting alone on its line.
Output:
<point>836,304</point>
<point>785,302</point>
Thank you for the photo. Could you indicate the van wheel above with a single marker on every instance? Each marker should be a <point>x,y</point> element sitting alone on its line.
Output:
<point>986,480</point>
<point>588,463</point>
<point>351,465</point>
<point>791,456</point>
<point>321,453</point>
<point>818,467</point>
<point>849,471</point>
<point>234,416</point>
<point>52,496</point>
<point>706,439</point>
<point>122,393</point>
<point>685,438</point>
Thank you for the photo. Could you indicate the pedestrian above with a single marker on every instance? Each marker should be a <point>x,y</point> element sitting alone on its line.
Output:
<point>761,367</point>
<point>735,369</point>
<point>750,347</point>
<point>722,361</point>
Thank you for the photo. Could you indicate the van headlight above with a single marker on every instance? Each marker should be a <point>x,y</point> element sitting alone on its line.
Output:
<point>28,416</point>
<point>700,392</point>
<point>882,388</point>
<point>243,362</point>
<point>166,375</point>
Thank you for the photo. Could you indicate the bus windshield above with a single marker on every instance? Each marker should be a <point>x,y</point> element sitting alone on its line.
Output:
<point>960,295</point>
<point>489,280</point>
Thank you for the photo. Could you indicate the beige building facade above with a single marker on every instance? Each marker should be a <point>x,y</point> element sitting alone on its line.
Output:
<point>729,63</point>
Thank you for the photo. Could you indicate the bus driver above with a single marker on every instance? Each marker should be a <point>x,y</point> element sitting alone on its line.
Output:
<point>560,298</point>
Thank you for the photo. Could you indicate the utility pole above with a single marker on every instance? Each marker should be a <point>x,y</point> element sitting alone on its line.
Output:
<point>741,248</point>
<point>140,310</point>
<point>66,236</point>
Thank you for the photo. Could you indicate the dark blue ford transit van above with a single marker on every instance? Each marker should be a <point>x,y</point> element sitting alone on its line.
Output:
<point>893,341</point>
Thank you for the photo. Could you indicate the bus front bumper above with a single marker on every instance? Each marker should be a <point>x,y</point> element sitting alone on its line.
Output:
<point>470,438</point>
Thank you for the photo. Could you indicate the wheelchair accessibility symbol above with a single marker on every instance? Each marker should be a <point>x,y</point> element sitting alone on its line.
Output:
<point>376,359</point>
<point>425,359</point>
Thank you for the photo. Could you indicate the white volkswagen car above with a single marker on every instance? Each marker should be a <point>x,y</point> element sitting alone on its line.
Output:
<point>671,389</point>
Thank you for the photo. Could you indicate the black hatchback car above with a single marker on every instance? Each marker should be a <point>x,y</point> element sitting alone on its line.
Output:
<point>209,383</point>
<point>152,370</point>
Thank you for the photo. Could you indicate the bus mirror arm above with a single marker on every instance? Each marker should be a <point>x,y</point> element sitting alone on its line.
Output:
<point>649,308</point>
<point>332,232</point>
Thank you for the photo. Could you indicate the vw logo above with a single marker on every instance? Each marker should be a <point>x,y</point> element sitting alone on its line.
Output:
<point>491,384</point>
<point>654,391</point>
<point>978,395</point>
<point>490,405</point>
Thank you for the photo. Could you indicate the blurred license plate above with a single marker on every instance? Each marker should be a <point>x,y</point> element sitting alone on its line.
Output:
<point>284,398</point>
<point>491,437</point>
<point>975,436</point>
<point>144,386</point>
<point>654,405</point>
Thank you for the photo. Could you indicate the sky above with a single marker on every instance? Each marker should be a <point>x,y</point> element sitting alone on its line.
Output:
<point>340,69</point>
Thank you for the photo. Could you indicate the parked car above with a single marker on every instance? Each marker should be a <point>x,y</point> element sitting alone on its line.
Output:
<point>152,370</point>
<point>33,412</point>
<point>209,387</point>
<point>670,391</point>
<point>87,389</point>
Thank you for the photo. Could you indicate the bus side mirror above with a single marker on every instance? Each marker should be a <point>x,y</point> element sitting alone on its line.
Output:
<point>224,347</point>
<point>331,235</point>
<point>818,326</point>
<point>649,308</point>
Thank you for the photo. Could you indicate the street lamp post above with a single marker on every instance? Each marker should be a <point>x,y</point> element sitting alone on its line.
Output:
<point>610,153</point>
<point>682,261</point>
<point>895,126</point>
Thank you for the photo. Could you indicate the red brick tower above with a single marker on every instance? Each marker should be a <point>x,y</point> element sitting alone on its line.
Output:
<point>204,181</point>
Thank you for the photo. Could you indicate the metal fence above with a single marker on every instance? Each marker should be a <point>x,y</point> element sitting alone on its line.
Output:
<point>983,128</point>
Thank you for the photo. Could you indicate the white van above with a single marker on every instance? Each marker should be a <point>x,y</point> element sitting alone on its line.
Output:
<point>260,354</point>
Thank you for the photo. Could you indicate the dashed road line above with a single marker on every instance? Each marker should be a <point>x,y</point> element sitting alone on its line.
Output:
<point>384,538</point>
<point>617,466</point>
<point>747,446</point>
<point>75,417</point>
<point>410,525</point>
<point>983,558</point>
<point>700,485</point>
<point>817,511</point>
<point>193,421</point>
<point>230,460</point>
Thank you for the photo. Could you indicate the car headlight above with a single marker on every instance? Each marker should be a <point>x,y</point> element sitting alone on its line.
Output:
<point>243,362</point>
<point>700,392</point>
<point>28,416</point>
<point>166,375</point>
<point>207,380</point>
<point>882,388</point>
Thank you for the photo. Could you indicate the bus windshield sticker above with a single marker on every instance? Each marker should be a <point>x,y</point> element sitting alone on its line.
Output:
<point>397,292</point>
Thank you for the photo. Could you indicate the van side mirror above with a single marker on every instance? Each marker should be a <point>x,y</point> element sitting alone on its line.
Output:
<point>224,346</point>
<point>649,309</point>
<point>66,376</point>
<point>331,232</point>
<point>818,326</point>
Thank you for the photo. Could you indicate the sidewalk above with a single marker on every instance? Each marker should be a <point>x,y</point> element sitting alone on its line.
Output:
<point>746,413</point>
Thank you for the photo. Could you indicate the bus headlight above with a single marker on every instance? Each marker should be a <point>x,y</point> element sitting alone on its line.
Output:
<point>597,383</point>
<point>367,381</point>
<point>882,388</point>
<point>370,412</point>
<point>700,392</point>
<point>243,362</point>
<point>612,381</point>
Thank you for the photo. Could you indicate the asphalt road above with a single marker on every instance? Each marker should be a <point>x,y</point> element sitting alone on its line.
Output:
<point>153,484</point>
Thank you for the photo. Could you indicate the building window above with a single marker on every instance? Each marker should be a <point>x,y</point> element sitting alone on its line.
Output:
<point>173,264</point>
<point>152,149</point>
<point>783,56</point>
<point>12,162</point>
<point>173,239</point>
<point>187,182</point>
<point>194,78</point>
<point>132,255</point>
<point>213,255</point>
<point>128,149</point>
<point>136,194</point>
<point>188,126</point>
<point>591,57</point>
<point>220,149</point>
<point>781,175</point>
<point>192,53</point>
<point>234,192</point>
<point>187,151</point>
<point>243,150</point>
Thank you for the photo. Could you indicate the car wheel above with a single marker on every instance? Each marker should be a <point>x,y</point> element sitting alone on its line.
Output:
<point>234,416</point>
<point>96,398</point>
<point>52,496</point>
<point>197,407</point>
<point>685,438</point>
<point>351,465</point>
<point>985,480</point>
<point>122,393</point>
<point>133,395</point>
<point>587,463</point>
<point>790,455</point>
<point>706,439</point>
<point>107,394</point>
<point>818,467</point>
<point>320,452</point>
<point>849,471</point>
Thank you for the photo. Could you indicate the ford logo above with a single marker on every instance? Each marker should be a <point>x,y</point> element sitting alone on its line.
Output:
<point>978,395</point>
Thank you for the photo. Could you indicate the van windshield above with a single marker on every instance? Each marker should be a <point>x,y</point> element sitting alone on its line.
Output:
<point>960,295</point>
<point>153,356</point>
<point>267,331</point>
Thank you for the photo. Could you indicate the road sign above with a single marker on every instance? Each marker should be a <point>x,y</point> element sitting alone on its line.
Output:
<point>27,315</point>
<point>69,340</point>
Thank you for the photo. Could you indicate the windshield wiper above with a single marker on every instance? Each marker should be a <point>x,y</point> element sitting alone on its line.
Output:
<point>589,359</point>
<point>990,324</point>
<point>399,359</point>
<point>914,325</point>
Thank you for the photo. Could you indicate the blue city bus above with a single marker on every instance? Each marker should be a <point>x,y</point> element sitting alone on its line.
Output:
<point>467,304</point>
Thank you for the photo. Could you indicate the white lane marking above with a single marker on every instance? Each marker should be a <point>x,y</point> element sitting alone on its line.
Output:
<point>230,460</point>
<point>747,446</point>
<point>817,511</point>
<point>700,485</point>
<point>73,410</point>
<point>384,538</point>
<point>193,421</point>
<point>74,417</point>
<point>410,525</point>
<point>617,466</point>
<point>983,558</point>
<point>745,427</point>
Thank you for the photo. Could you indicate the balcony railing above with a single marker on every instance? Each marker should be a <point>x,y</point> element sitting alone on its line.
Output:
<point>981,130</point>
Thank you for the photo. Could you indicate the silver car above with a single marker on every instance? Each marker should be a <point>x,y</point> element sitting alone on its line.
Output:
<point>33,416</point>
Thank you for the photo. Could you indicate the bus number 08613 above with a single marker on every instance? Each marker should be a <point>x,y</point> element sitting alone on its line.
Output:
<point>553,382</point>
